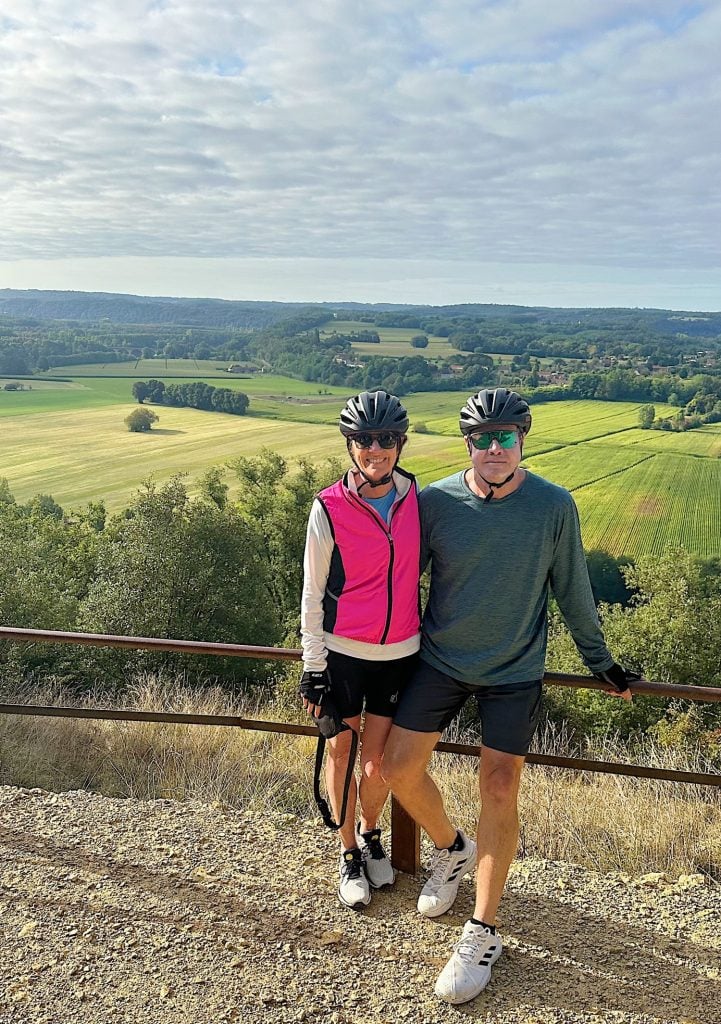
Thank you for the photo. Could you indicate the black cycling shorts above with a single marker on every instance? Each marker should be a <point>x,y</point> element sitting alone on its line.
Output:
<point>508,713</point>
<point>378,684</point>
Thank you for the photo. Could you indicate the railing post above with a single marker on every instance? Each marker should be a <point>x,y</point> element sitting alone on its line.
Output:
<point>405,840</point>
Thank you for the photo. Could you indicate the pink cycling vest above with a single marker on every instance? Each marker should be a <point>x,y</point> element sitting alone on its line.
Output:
<point>372,589</point>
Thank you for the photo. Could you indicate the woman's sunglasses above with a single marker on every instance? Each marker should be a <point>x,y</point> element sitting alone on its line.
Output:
<point>506,439</point>
<point>386,439</point>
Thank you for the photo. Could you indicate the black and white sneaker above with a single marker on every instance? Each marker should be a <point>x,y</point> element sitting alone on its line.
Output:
<point>353,890</point>
<point>375,860</point>
<point>447,869</point>
<point>469,970</point>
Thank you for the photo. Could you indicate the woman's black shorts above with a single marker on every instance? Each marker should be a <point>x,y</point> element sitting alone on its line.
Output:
<point>378,684</point>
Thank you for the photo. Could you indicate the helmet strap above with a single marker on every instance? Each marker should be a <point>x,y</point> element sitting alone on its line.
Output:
<point>492,487</point>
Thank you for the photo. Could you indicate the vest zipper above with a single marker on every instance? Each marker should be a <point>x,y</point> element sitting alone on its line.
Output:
<point>390,588</point>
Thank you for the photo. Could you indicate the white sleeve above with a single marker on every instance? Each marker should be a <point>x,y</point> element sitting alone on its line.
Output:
<point>316,566</point>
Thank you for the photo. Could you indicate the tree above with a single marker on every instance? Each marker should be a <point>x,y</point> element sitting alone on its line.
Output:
<point>276,504</point>
<point>172,566</point>
<point>671,631</point>
<point>646,416</point>
<point>141,390</point>
<point>47,563</point>
<point>141,420</point>
<point>419,341</point>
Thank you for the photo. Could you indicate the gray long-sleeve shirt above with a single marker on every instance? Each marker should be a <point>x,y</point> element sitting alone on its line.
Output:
<point>492,566</point>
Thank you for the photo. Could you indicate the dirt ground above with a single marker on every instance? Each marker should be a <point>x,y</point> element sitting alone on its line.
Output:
<point>119,910</point>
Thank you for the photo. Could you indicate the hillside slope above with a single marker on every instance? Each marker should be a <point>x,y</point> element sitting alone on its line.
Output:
<point>118,910</point>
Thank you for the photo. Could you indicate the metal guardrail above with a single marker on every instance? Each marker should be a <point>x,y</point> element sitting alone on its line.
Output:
<point>405,833</point>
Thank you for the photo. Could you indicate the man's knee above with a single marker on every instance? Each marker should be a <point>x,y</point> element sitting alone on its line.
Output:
<point>499,781</point>
<point>404,759</point>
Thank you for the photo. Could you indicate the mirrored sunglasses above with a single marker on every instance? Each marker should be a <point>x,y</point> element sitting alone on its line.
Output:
<point>385,438</point>
<point>506,439</point>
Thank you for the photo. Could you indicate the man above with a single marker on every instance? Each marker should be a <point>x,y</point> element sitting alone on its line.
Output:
<point>498,539</point>
<point>360,622</point>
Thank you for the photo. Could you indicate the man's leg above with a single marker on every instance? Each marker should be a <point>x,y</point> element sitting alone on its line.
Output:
<point>509,719</point>
<point>408,753</point>
<point>499,779</point>
<point>404,768</point>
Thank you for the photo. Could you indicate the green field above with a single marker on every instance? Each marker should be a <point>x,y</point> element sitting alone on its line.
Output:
<point>395,341</point>
<point>637,490</point>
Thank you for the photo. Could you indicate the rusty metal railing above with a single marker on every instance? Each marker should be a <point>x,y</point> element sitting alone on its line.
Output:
<point>405,833</point>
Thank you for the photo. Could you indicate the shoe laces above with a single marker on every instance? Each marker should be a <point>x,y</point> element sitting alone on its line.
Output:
<point>472,941</point>
<point>440,860</point>
<point>353,864</point>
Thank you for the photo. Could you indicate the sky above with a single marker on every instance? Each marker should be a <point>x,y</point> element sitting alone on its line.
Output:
<point>543,152</point>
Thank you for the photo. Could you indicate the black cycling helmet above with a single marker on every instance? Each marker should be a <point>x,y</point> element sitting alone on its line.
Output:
<point>373,410</point>
<point>493,406</point>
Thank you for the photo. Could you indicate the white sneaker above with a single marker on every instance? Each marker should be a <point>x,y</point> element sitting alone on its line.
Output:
<point>469,970</point>
<point>447,870</point>
<point>353,890</point>
<point>375,860</point>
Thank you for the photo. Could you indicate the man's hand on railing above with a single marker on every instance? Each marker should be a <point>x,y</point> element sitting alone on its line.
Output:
<point>618,679</point>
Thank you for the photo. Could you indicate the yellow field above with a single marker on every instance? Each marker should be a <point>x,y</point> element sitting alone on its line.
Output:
<point>637,490</point>
<point>80,457</point>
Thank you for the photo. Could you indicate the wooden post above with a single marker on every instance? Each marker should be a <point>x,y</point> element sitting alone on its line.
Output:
<point>405,840</point>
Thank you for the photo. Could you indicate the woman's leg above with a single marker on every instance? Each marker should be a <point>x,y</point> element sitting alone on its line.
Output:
<point>373,787</point>
<point>336,766</point>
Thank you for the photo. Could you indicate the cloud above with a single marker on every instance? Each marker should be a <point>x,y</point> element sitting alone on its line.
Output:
<point>512,131</point>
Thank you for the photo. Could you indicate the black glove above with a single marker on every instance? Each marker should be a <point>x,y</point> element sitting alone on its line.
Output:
<point>316,688</point>
<point>618,677</point>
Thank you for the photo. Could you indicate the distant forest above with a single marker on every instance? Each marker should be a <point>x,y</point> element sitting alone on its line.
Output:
<point>645,355</point>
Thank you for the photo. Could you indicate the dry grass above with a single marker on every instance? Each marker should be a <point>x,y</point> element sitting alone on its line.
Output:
<point>599,821</point>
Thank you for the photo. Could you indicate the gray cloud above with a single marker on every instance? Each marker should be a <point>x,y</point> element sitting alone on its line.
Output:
<point>511,131</point>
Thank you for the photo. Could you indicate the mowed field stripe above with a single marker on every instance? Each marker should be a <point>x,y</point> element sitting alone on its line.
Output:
<point>665,500</point>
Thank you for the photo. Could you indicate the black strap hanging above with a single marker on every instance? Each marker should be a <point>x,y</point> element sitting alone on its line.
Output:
<point>323,804</point>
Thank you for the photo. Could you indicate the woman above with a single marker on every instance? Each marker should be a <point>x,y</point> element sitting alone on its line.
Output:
<point>360,621</point>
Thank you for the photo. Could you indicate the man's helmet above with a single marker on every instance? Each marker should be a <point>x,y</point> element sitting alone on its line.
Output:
<point>373,410</point>
<point>493,406</point>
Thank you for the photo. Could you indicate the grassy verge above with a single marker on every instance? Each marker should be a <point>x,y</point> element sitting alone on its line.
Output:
<point>598,821</point>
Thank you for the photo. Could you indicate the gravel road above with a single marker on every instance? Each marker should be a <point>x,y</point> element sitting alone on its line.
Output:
<point>122,910</point>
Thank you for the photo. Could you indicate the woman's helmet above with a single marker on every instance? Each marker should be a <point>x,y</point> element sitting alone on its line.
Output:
<point>373,410</point>
<point>493,406</point>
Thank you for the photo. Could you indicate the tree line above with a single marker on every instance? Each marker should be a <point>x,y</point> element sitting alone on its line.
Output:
<point>193,395</point>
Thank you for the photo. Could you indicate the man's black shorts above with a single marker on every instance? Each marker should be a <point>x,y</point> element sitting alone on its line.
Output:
<point>508,713</point>
<point>378,683</point>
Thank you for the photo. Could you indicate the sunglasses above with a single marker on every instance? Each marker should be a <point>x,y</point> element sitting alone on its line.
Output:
<point>506,439</point>
<point>386,439</point>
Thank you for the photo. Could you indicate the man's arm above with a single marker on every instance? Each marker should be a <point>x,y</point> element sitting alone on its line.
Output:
<point>316,566</point>
<point>572,589</point>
